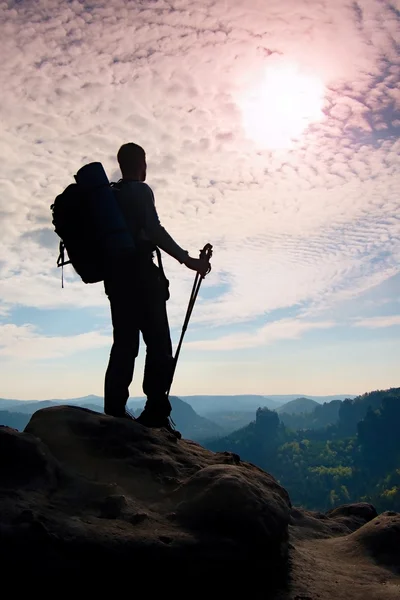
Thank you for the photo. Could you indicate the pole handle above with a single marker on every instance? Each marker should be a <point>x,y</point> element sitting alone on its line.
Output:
<point>206,253</point>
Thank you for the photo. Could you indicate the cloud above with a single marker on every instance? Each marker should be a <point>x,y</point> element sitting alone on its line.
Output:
<point>379,322</point>
<point>285,329</point>
<point>303,226</point>
<point>4,311</point>
<point>25,342</point>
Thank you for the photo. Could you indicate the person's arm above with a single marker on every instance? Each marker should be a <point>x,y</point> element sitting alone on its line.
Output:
<point>159,236</point>
<point>156,232</point>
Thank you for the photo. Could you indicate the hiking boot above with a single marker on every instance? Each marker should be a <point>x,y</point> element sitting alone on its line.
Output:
<point>155,421</point>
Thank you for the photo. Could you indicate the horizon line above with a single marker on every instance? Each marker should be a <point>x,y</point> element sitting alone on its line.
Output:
<point>298,395</point>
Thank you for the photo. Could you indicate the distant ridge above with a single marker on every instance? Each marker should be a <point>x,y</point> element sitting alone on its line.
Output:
<point>300,405</point>
<point>283,398</point>
<point>203,404</point>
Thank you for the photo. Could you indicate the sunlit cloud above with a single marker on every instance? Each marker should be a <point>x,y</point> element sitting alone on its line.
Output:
<point>285,329</point>
<point>378,322</point>
<point>25,342</point>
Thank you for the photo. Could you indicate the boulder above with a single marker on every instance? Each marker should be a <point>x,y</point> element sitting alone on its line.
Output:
<point>339,521</point>
<point>380,539</point>
<point>25,462</point>
<point>354,515</point>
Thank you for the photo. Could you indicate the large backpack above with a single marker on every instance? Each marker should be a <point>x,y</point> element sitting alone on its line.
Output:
<point>87,218</point>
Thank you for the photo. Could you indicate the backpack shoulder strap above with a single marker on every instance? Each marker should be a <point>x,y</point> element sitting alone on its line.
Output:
<point>160,264</point>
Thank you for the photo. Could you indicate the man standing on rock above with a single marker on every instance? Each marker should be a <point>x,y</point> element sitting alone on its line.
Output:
<point>138,291</point>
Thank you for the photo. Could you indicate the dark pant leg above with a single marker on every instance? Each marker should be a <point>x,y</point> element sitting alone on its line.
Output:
<point>124,351</point>
<point>156,335</point>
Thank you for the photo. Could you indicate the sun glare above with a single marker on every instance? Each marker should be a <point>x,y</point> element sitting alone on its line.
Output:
<point>281,106</point>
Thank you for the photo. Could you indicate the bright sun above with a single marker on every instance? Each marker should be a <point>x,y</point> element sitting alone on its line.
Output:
<point>281,106</point>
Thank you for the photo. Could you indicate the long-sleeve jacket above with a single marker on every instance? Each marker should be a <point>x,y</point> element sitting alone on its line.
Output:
<point>137,204</point>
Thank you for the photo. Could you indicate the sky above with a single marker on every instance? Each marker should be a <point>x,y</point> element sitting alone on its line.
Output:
<point>272,132</point>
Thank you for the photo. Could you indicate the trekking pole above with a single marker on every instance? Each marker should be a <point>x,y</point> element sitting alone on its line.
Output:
<point>206,253</point>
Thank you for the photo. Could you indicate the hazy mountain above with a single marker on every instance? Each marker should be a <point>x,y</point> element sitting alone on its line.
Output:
<point>203,404</point>
<point>283,399</point>
<point>207,405</point>
<point>30,406</point>
<point>5,403</point>
<point>134,404</point>
<point>321,416</point>
<point>27,407</point>
<point>298,406</point>
<point>13,419</point>
<point>188,422</point>
<point>231,420</point>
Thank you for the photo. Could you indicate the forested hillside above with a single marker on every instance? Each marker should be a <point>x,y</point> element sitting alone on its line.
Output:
<point>358,458</point>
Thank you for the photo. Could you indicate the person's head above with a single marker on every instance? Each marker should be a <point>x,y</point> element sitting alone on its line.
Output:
<point>132,161</point>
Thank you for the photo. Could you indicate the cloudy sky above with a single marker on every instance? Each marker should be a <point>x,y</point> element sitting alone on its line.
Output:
<point>272,131</point>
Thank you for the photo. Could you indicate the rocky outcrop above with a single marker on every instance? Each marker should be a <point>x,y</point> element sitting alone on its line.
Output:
<point>83,495</point>
<point>84,483</point>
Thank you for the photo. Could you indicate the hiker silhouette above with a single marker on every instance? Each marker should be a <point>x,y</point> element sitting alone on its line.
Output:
<point>138,290</point>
